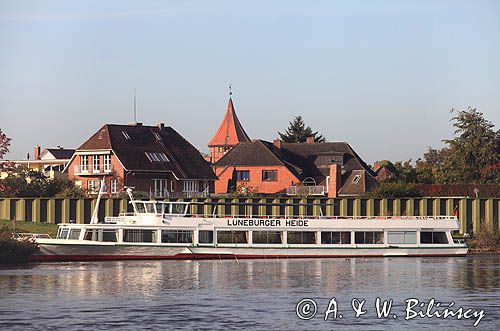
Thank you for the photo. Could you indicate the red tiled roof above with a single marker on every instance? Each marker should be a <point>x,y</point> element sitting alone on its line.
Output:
<point>230,131</point>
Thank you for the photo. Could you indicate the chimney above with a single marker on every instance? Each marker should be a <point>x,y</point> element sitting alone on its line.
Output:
<point>376,165</point>
<point>134,123</point>
<point>335,181</point>
<point>160,125</point>
<point>277,143</point>
<point>310,140</point>
<point>36,156</point>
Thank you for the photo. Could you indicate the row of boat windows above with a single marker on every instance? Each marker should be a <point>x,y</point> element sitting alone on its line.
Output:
<point>259,237</point>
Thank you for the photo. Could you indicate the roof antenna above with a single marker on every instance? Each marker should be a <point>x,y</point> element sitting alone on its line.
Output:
<point>230,92</point>
<point>135,107</point>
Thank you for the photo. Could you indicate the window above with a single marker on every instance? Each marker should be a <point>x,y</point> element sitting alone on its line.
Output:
<point>63,234</point>
<point>301,237</point>
<point>232,237</point>
<point>152,157</point>
<point>402,237</point>
<point>96,164</point>
<point>266,237</point>
<point>138,236</point>
<point>107,235</point>
<point>369,237</point>
<point>242,175</point>
<point>75,234</point>
<point>163,157</point>
<point>190,186</point>
<point>94,186</point>
<point>160,188</point>
<point>156,157</point>
<point>84,163</point>
<point>205,237</point>
<point>157,136</point>
<point>114,185</point>
<point>356,179</point>
<point>107,163</point>
<point>90,235</point>
<point>177,236</point>
<point>221,149</point>
<point>330,238</point>
<point>125,134</point>
<point>269,175</point>
<point>430,237</point>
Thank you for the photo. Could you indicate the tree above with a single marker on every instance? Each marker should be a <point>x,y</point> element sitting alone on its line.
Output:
<point>4,144</point>
<point>473,154</point>
<point>297,132</point>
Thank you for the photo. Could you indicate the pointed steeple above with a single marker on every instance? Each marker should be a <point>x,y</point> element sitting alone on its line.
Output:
<point>230,131</point>
<point>229,134</point>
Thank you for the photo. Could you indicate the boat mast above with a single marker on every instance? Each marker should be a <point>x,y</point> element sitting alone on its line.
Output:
<point>102,190</point>
<point>129,192</point>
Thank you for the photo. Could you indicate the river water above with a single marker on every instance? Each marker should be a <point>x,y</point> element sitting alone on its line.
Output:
<point>248,294</point>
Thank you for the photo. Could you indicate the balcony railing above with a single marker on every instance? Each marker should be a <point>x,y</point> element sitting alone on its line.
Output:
<point>90,170</point>
<point>306,190</point>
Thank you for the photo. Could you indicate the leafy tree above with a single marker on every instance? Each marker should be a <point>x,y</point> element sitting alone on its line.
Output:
<point>297,132</point>
<point>31,183</point>
<point>429,169</point>
<point>473,150</point>
<point>4,144</point>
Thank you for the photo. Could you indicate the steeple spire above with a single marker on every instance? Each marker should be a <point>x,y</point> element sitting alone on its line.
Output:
<point>229,134</point>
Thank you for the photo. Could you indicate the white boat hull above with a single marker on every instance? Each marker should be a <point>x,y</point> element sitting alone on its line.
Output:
<point>69,252</point>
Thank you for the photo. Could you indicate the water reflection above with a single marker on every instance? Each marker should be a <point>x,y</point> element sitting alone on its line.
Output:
<point>222,288</point>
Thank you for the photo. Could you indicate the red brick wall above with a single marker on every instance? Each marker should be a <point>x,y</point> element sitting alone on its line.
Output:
<point>141,181</point>
<point>284,179</point>
<point>116,173</point>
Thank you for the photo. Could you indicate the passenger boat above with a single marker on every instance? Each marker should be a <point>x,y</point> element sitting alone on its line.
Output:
<point>165,230</point>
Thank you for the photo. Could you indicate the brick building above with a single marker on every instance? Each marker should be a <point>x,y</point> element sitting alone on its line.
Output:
<point>153,159</point>
<point>229,134</point>
<point>330,168</point>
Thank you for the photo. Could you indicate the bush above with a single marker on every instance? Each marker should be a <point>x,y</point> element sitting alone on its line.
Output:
<point>245,191</point>
<point>487,239</point>
<point>395,190</point>
<point>14,251</point>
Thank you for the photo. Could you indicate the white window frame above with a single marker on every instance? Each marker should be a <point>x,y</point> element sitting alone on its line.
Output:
<point>114,185</point>
<point>160,187</point>
<point>107,162</point>
<point>96,164</point>
<point>84,163</point>
<point>91,184</point>
<point>190,186</point>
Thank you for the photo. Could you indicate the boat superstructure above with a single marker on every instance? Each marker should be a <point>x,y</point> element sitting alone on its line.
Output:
<point>166,230</point>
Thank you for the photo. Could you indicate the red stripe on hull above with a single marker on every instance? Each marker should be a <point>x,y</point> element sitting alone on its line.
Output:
<point>76,258</point>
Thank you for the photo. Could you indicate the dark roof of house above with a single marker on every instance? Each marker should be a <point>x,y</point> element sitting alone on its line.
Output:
<point>310,153</point>
<point>61,153</point>
<point>300,158</point>
<point>130,143</point>
<point>353,185</point>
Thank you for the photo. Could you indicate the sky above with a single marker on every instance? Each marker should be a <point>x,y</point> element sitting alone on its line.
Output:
<point>381,75</point>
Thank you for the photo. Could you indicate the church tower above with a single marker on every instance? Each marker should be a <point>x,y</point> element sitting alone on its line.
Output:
<point>229,134</point>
